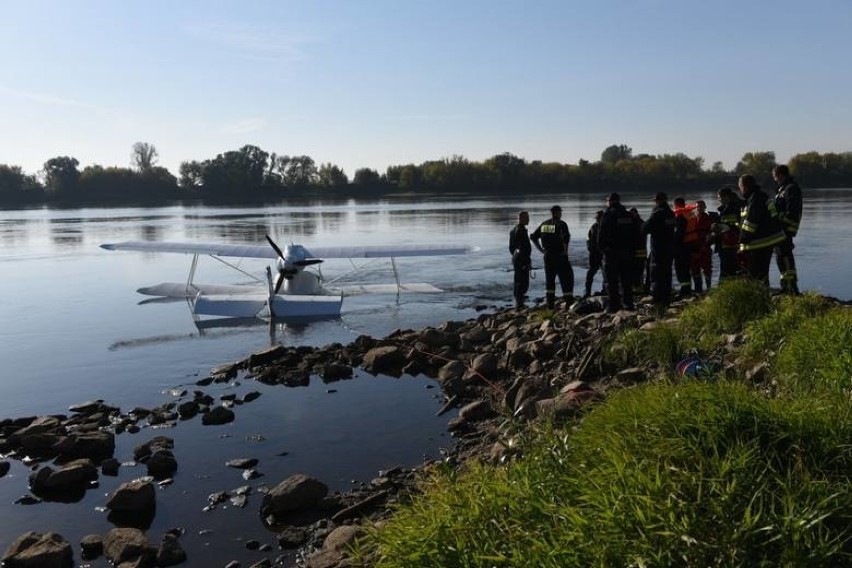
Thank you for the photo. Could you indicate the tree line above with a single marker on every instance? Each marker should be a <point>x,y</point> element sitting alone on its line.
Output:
<point>252,174</point>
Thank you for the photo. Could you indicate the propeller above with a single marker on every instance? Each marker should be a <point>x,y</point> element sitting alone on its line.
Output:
<point>287,267</point>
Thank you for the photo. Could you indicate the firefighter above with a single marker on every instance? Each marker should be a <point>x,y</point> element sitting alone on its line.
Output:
<point>617,242</point>
<point>640,255</point>
<point>788,203</point>
<point>760,229</point>
<point>552,238</point>
<point>595,258</point>
<point>661,227</point>
<point>521,251</point>
<point>727,232</point>
<point>701,261</point>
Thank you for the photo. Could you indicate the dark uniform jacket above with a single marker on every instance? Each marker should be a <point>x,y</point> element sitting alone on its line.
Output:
<point>788,203</point>
<point>553,236</point>
<point>661,226</point>
<point>729,215</point>
<point>759,223</point>
<point>619,230</point>
<point>519,246</point>
<point>592,239</point>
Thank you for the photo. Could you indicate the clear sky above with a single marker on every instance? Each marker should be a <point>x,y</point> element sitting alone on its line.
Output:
<point>371,83</point>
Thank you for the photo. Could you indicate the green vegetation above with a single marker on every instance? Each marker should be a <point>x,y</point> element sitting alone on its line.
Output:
<point>251,174</point>
<point>671,473</point>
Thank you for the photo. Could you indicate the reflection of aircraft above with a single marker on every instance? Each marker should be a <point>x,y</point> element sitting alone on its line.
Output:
<point>297,290</point>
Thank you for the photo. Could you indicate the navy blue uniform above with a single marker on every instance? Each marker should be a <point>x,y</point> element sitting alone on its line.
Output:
<point>553,237</point>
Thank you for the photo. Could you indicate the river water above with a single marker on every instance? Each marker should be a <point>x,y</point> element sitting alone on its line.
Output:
<point>72,329</point>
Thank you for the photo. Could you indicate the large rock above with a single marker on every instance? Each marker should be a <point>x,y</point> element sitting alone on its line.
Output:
<point>170,552</point>
<point>387,360</point>
<point>96,444</point>
<point>297,492</point>
<point>137,496</point>
<point>36,550</point>
<point>126,544</point>
<point>217,415</point>
<point>69,477</point>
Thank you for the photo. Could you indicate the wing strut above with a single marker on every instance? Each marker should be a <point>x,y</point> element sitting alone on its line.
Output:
<point>193,265</point>
<point>396,277</point>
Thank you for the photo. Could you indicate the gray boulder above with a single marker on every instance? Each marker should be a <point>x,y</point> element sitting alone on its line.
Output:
<point>297,492</point>
<point>37,550</point>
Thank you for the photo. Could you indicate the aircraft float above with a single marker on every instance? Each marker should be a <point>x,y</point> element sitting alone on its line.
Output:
<point>296,291</point>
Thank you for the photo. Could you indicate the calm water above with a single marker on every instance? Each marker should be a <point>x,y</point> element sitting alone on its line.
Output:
<point>73,329</point>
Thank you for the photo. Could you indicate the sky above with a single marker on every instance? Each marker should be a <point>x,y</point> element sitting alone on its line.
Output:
<point>373,83</point>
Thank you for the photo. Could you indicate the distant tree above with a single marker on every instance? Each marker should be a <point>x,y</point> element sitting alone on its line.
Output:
<point>298,171</point>
<point>15,185</point>
<point>509,168</point>
<point>366,177</point>
<point>144,156</point>
<point>61,175</point>
<point>718,168</point>
<point>235,171</point>
<point>615,153</point>
<point>330,175</point>
<point>758,164</point>
<point>191,175</point>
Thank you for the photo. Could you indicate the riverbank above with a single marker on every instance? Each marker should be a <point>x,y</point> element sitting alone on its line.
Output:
<point>510,373</point>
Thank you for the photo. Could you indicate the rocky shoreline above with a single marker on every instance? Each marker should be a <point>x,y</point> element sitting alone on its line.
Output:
<point>499,369</point>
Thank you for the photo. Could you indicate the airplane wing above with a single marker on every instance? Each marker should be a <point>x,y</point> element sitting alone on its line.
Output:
<point>265,251</point>
<point>386,251</point>
<point>213,249</point>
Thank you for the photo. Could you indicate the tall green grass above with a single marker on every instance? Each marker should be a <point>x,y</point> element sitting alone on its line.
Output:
<point>701,326</point>
<point>818,357</point>
<point>659,475</point>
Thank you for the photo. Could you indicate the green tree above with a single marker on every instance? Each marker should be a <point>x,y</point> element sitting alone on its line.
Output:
<point>615,153</point>
<point>191,175</point>
<point>758,164</point>
<point>366,177</point>
<point>235,171</point>
<point>298,171</point>
<point>61,175</point>
<point>143,156</point>
<point>15,185</point>
<point>330,175</point>
<point>509,169</point>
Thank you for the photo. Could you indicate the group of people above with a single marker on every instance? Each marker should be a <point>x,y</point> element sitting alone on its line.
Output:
<point>745,231</point>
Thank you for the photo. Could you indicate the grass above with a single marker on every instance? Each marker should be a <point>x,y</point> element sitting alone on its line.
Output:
<point>686,473</point>
<point>661,475</point>
<point>727,309</point>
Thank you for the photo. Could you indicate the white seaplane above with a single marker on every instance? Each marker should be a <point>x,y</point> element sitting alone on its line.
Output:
<point>298,290</point>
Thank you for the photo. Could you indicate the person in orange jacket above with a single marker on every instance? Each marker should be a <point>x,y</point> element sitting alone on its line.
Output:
<point>685,239</point>
<point>701,260</point>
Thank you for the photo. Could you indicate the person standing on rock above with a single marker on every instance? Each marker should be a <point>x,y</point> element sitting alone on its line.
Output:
<point>661,227</point>
<point>595,258</point>
<point>727,232</point>
<point>760,229</point>
<point>551,238</point>
<point>521,250</point>
<point>617,241</point>
<point>788,202</point>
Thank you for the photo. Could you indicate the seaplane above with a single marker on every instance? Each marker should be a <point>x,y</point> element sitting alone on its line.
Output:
<point>297,290</point>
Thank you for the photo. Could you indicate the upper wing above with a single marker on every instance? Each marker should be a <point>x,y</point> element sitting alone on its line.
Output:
<point>214,249</point>
<point>264,251</point>
<point>384,252</point>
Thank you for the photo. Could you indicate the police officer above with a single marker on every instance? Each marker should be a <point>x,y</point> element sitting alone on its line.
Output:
<point>661,226</point>
<point>788,203</point>
<point>617,241</point>
<point>640,255</point>
<point>760,229</point>
<point>521,251</point>
<point>552,238</point>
